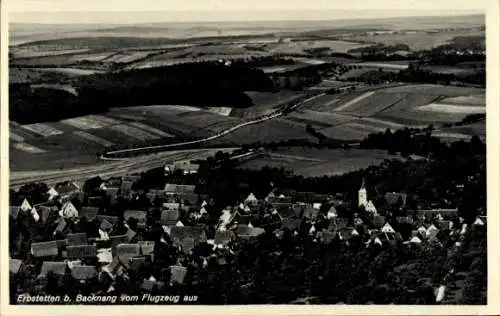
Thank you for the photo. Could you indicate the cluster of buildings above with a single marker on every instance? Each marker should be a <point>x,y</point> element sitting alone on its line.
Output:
<point>178,220</point>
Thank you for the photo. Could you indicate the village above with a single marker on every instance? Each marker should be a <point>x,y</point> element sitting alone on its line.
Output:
<point>91,243</point>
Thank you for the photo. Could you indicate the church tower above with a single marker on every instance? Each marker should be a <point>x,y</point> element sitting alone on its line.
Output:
<point>362,196</point>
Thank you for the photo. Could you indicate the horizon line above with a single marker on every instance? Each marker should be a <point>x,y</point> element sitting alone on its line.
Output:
<point>452,14</point>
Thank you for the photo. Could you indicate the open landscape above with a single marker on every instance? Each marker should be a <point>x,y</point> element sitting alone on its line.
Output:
<point>251,162</point>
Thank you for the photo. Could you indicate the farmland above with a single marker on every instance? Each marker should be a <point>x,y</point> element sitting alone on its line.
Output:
<point>311,162</point>
<point>77,140</point>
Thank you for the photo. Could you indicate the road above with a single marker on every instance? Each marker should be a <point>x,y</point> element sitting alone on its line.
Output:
<point>111,168</point>
<point>203,140</point>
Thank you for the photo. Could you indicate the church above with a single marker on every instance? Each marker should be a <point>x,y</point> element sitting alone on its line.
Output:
<point>363,200</point>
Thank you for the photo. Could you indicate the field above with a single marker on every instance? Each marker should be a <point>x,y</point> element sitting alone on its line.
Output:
<point>76,141</point>
<point>354,115</point>
<point>416,40</point>
<point>318,162</point>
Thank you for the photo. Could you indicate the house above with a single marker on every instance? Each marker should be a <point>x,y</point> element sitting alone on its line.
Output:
<point>291,223</point>
<point>56,267</point>
<point>251,199</point>
<point>89,213</point>
<point>125,252</point>
<point>44,249</point>
<point>64,191</point>
<point>76,239</point>
<point>332,212</point>
<point>185,166</point>
<point>140,216</point>
<point>147,248</point>
<point>15,265</point>
<point>378,221</point>
<point>387,228</point>
<point>478,222</point>
<point>171,189</point>
<point>177,274</point>
<point>370,208</point>
<point>404,220</point>
<point>304,197</point>
<point>337,223</point>
<point>286,212</point>
<point>171,206</point>
<point>14,211</point>
<point>195,232</point>
<point>68,211</point>
<point>431,231</point>
<point>222,238</point>
<point>81,273</point>
<point>104,255</point>
<point>445,213</point>
<point>81,251</point>
<point>25,206</point>
<point>169,217</point>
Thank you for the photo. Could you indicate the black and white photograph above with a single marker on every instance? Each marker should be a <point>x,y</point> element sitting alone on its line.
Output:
<point>247,153</point>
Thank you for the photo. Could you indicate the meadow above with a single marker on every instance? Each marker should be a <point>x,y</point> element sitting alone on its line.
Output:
<point>312,162</point>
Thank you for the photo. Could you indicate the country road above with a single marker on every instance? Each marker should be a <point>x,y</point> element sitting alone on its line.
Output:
<point>110,168</point>
<point>218,135</point>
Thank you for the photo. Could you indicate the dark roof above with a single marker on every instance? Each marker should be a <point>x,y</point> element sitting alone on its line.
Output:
<point>148,285</point>
<point>77,239</point>
<point>14,211</point>
<point>179,188</point>
<point>171,205</point>
<point>44,249</point>
<point>15,265</point>
<point>125,252</point>
<point>66,188</point>
<point>59,268</point>
<point>111,219</point>
<point>286,212</point>
<point>46,211</point>
<point>105,225</point>
<point>404,219</point>
<point>89,212</point>
<point>82,251</point>
<point>393,198</point>
<point>116,240</point>
<point>239,218</point>
<point>337,223</point>
<point>196,232</point>
<point>327,236</point>
<point>141,216</point>
<point>191,198</point>
<point>169,217</point>
<point>137,262</point>
<point>287,200</point>
<point>310,212</point>
<point>186,243</point>
<point>443,212</point>
<point>223,237</point>
<point>249,231</point>
<point>444,224</point>
<point>147,247</point>
<point>378,221</point>
<point>292,224</point>
<point>131,178</point>
<point>83,272</point>
<point>126,186</point>
<point>304,196</point>
<point>177,274</point>
<point>130,235</point>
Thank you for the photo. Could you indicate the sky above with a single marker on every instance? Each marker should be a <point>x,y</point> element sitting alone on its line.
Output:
<point>144,11</point>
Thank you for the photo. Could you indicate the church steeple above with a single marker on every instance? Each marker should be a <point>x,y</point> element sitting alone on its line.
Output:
<point>362,195</point>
